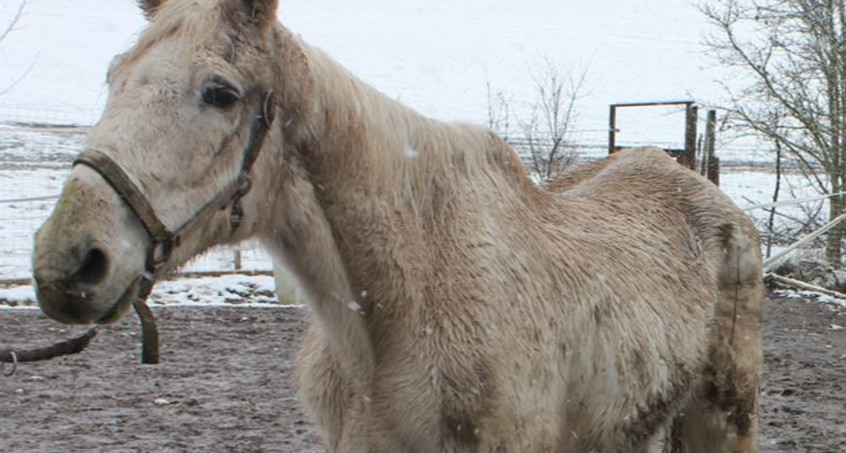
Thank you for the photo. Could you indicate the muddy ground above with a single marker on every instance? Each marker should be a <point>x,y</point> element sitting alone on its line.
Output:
<point>226,384</point>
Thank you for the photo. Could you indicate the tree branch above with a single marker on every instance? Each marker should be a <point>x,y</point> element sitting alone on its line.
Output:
<point>15,19</point>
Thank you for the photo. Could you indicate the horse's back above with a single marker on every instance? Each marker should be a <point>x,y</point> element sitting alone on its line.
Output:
<point>647,186</point>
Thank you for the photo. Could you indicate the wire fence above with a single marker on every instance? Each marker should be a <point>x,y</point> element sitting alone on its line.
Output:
<point>34,162</point>
<point>55,116</point>
<point>17,232</point>
<point>20,219</point>
<point>17,226</point>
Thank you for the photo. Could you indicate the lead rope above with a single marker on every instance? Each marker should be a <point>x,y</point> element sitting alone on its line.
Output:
<point>65,347</point>
<point>149,337</point>
<point>150,351</point>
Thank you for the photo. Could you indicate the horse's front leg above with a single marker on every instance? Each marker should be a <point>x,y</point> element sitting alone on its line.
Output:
<point>322,387</point>
<point>341,412</point>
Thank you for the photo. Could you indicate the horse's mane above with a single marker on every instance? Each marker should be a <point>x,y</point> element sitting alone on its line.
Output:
<point>400,150</point>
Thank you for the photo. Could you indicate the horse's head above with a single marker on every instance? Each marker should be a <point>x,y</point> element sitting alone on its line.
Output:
<point>166,171</point>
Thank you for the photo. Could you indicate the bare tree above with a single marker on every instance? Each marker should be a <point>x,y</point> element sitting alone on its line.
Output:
<point>15,19</point>
<point>499,112</point>
<point>10,27</point>
<point>791,54</point>
<point>776,192</point>
<point>544,142</point>
<point>553,113</point>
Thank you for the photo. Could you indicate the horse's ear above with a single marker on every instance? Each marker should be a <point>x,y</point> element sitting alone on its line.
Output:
<point>261,12</point>
<point>149,7</point>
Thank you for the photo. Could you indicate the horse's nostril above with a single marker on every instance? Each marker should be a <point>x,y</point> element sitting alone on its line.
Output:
<point>94,267</point>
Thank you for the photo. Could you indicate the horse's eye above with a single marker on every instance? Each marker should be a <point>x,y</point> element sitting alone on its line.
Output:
<point>220,96</point>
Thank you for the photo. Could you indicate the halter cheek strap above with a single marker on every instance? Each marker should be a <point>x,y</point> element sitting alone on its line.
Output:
<point>163,240</point>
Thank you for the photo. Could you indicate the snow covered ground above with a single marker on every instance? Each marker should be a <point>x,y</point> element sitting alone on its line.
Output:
<point>233,289</point>
<point>437,56</point>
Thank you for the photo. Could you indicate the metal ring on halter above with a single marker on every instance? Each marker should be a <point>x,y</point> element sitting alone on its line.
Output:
<point>14,365</point>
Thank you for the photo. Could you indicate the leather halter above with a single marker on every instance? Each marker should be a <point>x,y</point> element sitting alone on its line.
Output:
<point>163,240</point>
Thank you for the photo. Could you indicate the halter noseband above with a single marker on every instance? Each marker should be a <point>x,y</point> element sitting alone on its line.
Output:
<point>163,240</point>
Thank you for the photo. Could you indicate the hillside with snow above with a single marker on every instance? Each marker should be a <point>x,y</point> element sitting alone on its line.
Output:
<point>437,56</point>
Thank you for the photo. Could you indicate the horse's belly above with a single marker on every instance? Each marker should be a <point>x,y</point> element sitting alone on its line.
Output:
<point>623,384</point>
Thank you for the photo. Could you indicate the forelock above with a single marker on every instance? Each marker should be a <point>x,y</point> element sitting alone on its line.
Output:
<point>202,21</point>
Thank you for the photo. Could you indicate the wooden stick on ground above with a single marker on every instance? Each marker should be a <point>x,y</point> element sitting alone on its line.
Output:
<point>792,283</point>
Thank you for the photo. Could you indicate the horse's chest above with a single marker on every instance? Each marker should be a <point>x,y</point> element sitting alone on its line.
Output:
<point>440,376</point>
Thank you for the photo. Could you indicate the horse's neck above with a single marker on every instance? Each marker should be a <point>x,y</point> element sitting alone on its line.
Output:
<point>363,136</point>
<point>365,145</point>
<point>376,164</point>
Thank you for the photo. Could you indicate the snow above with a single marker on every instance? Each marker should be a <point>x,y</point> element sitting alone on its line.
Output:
<point>751,188</point>
<point>231,289</point>
<point>439,57</point>
<point>354,307</point>
<point>16,296</point>
<point>811,296</point>
<point>436,56</point>
<point>228,290</point>
<point>411,154</point>
<point>68,44</point>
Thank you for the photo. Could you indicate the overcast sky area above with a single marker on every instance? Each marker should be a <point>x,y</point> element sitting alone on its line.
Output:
<point>437,56</point>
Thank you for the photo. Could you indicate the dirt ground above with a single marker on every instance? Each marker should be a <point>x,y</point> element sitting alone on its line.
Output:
<point>226,384</point>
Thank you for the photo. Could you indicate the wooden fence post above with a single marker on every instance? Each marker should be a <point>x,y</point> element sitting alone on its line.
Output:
<point>689,157</point>
<point>612,129</point>
<point>712,162</point>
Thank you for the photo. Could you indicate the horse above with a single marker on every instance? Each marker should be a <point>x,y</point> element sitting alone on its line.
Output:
<point>456,306</point>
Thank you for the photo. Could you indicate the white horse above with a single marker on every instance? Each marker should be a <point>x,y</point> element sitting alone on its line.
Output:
<point>457,307</point>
